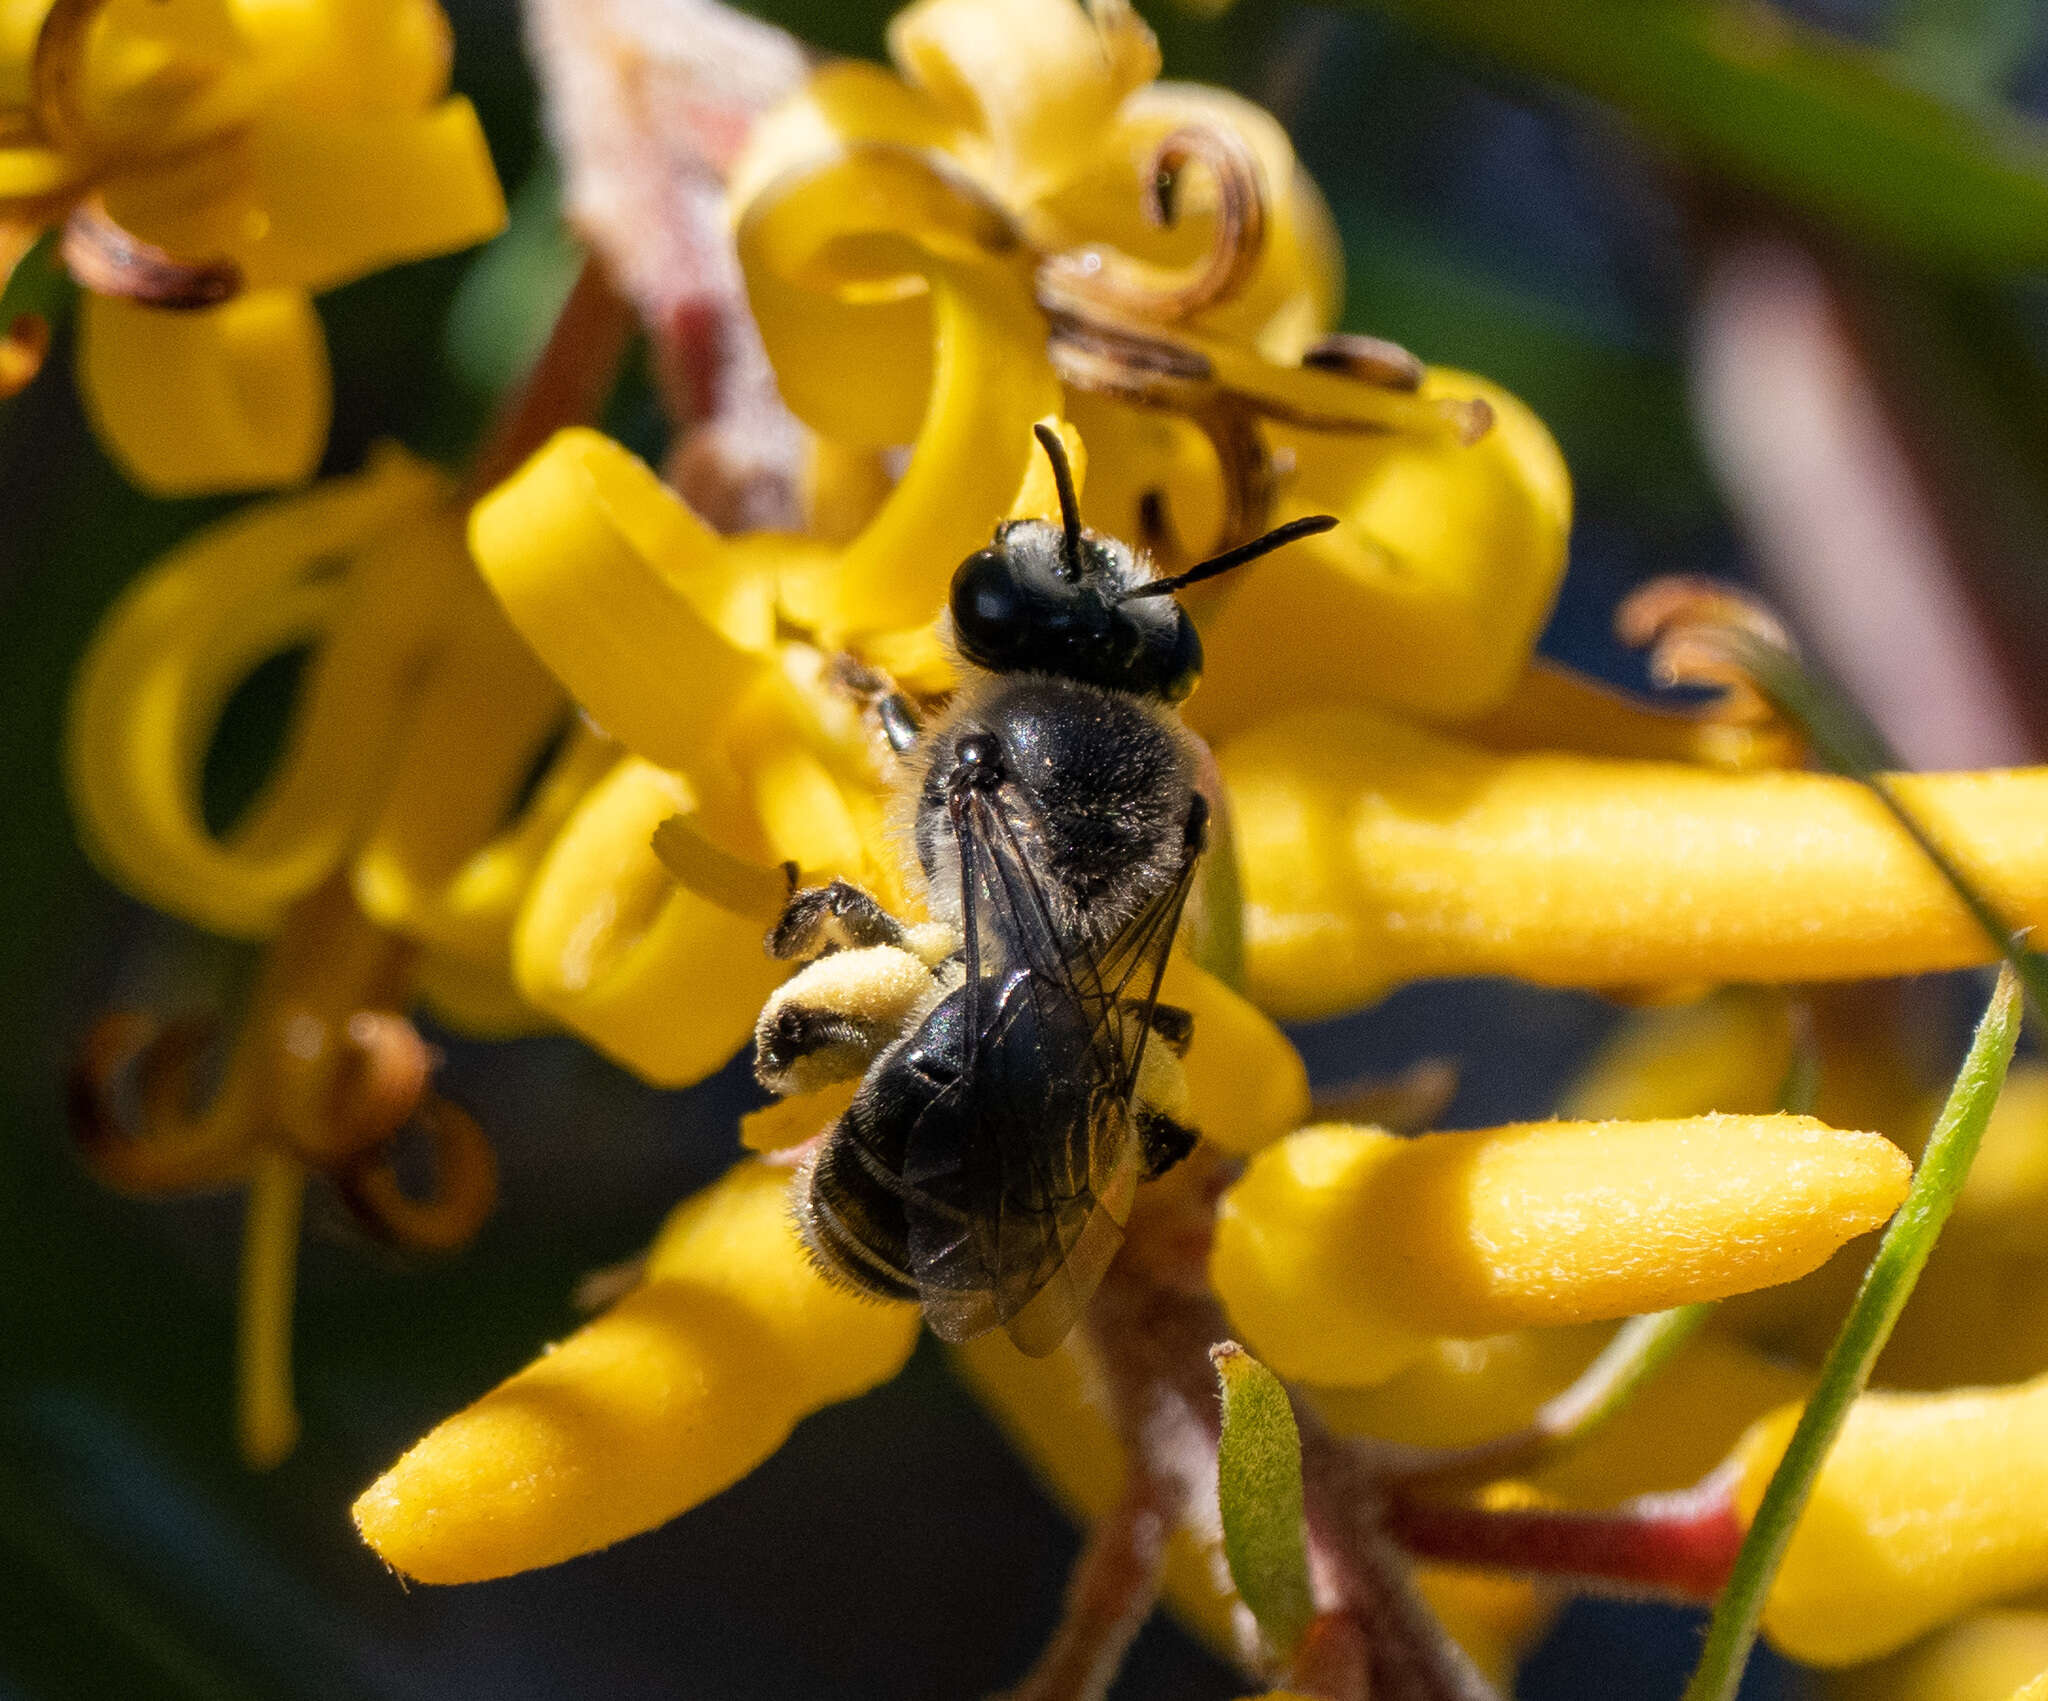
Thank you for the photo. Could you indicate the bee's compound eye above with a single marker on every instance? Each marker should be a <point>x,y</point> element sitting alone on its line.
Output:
<point>989,605</point>
<point>1180,667</point>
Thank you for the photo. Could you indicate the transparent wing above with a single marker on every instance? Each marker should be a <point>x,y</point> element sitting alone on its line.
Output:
<point>1019,1176</point>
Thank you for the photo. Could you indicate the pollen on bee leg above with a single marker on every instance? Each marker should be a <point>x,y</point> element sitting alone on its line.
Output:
<point>829,1021</point>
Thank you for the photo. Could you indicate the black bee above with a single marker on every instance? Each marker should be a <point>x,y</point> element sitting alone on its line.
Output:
<point>1010,1101</point>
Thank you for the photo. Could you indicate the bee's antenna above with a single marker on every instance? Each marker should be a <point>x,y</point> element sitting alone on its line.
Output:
<point>1070,505</point>
<point>1277,538</point>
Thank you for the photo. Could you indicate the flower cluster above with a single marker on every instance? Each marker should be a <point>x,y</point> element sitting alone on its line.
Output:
<point>1020,225</point>
<point>202,168</point>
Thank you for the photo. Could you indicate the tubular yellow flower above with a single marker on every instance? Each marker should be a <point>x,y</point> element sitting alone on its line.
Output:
<point>1343,1251</point>
<point>676,1392</point>
<point>1375,852</point>
<point>1927,1506</point>
<point>212,166</point>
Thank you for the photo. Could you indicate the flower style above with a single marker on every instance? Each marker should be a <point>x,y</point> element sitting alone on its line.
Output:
<point>204,167</point>
<point>1018,226</point>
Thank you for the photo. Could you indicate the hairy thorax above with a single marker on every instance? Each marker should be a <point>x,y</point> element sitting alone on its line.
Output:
<point>1103,782</point>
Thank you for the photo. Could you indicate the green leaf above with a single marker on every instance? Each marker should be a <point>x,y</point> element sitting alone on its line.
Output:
<point>1819,122</point>
<point>1258,1485</point>
<point>1887,1285</point>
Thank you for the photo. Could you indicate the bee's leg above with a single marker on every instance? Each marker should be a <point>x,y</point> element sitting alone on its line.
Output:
<point>831,918</point>
<point>1173,1027</point>
<point>829,1021</point>
<point>900,725</point>
<point>1163,1142</point>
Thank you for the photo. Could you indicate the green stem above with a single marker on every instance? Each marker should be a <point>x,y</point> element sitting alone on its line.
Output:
<point>1887,1285</point>
<point>1852,748</point>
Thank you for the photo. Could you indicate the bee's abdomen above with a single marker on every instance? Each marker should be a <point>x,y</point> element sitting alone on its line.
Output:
<point>852,1223</point>
<point>850,1201</point>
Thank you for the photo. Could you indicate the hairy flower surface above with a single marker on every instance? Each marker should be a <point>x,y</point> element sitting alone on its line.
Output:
<point>211,165</point>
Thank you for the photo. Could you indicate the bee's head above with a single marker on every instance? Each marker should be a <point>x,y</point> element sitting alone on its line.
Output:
<point>1058,599</point>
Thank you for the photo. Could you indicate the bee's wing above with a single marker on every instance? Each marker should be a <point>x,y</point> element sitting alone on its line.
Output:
<point>1020,1175</point>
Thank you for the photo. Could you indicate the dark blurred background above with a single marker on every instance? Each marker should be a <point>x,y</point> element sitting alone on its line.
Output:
<point>1772,345</point>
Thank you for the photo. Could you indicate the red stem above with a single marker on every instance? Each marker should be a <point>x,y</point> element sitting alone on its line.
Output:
<point>1675,1544</point>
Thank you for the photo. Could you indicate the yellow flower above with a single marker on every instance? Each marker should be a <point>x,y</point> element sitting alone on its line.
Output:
<point>1344,1251</point>
<point>382,860</point>
<point>942,257</point>
<point>213,164</point>
<point>1927,1507</point>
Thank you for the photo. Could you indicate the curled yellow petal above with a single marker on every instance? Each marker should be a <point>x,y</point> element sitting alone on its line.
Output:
<point>654,975</point>
<point>1375,852</point>
<point>678,1391</point>
<point>652,623</point>
<point>1344,1251</point>
<point>1039,79</point>
<point>350,56</point>
<point>1295,287</point>
<point>331,198</point>
<point>990,384</point>
<point>234,397</point>
<point>1430,593</point>
<point>1927,1506</point>
<point>483,716</point>
<point>171,652</point>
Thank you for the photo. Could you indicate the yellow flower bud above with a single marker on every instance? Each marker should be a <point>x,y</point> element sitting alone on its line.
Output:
<point>1928,1505</point>
<point>1375,852</point>
<point>678,1391</point>
<point>1343,1251</point>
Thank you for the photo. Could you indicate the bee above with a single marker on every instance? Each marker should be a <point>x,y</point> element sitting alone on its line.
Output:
<point>1011,1094</point>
